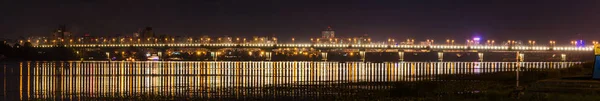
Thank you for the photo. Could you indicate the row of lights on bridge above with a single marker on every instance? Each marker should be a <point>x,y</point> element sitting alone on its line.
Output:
<point>409,41</point>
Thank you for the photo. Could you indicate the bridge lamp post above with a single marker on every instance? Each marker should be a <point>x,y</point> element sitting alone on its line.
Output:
<point>531,42</point>
<point>490,42</point>
<point>293,40</point>
<point>410,41</point>
<point>573,42</point>
<point>468,42</point>
<point>429,42</point>
<point>594,42</point>
<point>349,40</point>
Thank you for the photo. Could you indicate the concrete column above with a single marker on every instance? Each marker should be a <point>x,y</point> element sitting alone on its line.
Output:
<point>160,57</point>
<point>362,55</point>
<point>563,57</point>
<point>480,57</point>
<point>441,56</point>
<point>324,56</point>
<point>214,55</point>
<point>268,55</point>
<point>401,55</point>
<point>108,56</point>
<point>521,57</point>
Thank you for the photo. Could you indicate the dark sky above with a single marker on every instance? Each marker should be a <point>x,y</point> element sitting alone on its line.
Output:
<point>421,19</point>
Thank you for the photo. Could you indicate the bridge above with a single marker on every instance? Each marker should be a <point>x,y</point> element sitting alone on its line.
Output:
<point>325,51</point>
<point>329,46</point>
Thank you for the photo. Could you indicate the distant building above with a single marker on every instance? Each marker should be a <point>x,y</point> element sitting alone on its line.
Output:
<point>365,39</point>
<point>264,40</point>
<point>61,33</point>
<point>328,33</point>
<point>147,33</point>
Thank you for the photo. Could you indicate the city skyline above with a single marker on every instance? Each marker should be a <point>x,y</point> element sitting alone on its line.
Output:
<point>63,32</point>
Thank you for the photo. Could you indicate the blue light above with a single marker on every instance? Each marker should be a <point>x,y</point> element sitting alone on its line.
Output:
<point>580,43</point>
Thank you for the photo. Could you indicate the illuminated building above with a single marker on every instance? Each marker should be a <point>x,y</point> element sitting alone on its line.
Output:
<point>328,33</point>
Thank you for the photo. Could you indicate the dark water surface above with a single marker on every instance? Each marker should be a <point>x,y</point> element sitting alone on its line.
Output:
<point>228,80</point>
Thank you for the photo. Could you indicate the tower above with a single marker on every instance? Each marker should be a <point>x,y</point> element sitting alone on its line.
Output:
<point>328,33</point>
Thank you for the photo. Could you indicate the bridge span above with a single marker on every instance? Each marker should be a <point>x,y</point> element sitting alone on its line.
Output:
<point>325,46</point>
<point>344,52</point>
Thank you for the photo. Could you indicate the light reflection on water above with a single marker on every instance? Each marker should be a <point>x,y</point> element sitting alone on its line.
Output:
<point>230,79</point>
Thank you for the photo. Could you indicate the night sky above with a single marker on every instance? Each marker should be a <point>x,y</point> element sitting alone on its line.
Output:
<point>437,19</point>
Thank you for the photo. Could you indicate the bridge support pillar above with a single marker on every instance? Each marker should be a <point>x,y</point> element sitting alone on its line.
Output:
<point>480,57</point>
<point>520,57</point>
<point>324,56</point>
<point>268,55</point>
<point>214,55</point>
<point>362,55</point>
<point>160,57</point>
<point>441,56</point>
<point>108,56</point>
<point>563,57</point>
<point>401,56</point>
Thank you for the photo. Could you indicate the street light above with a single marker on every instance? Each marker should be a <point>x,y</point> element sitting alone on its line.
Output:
<point>490,42</point>
<point>531,42</point>
<point>469,42</point>
<point>293,40</point>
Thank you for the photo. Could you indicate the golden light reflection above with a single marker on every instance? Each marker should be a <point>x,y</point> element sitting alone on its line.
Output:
<point>215,79</point>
